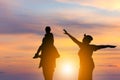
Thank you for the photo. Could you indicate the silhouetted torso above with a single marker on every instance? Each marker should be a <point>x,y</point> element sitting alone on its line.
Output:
<point>49,52</point>
<point>85,54</point>
<point>48,39</point>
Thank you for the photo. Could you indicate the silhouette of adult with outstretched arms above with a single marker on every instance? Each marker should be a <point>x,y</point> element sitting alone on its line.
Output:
<point>85,55</point>
<point>48,54</point>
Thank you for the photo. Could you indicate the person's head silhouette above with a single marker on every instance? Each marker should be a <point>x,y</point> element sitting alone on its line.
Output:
<point>47,29</point>
<point>87,39</point>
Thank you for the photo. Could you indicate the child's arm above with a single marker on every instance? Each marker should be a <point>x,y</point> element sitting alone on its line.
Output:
<point>73,38</point>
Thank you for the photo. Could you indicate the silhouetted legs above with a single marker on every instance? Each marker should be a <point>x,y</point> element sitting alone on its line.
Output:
<point>48,73</point>
<point>85,73</point>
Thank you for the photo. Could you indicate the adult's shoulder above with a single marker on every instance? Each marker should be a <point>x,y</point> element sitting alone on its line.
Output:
<point>51,33</point>
<point>93,45</point>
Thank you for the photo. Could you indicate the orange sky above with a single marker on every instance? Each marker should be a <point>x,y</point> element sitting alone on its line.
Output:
<point>22,26</point>
<point>17,51</point>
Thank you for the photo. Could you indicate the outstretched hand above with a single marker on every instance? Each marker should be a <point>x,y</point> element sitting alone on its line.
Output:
<point>65,32</point>
<point>111,46</point>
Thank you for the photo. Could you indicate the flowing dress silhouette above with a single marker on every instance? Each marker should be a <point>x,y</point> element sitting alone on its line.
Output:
<point>85,55</point>
<point>48,55</point>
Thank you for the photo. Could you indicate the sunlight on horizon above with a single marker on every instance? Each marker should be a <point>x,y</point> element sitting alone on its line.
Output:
<point>18,53</point>
<point>67,69</point>
<point>22,28</point>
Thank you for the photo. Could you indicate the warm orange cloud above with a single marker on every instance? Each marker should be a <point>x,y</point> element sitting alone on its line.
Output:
<point>79,15</point>
<point>110,5</point>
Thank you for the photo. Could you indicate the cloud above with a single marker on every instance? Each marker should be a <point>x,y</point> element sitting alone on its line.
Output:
<point>9,3</point>
<point>27,23</point>
<point>1,72</point>
<point>115,66</point>
<point>22,76</point>
<point>16,20</point>
<point>90,15</point>
<point>111,4</point>
<point>11,23</point>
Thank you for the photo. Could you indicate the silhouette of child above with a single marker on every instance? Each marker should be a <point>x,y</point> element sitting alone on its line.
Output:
<point>85,55</point>
<point>48,55</point>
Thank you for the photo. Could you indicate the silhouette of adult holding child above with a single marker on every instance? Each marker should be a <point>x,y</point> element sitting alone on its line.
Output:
<point>85,55</point>
<point>48,54</point>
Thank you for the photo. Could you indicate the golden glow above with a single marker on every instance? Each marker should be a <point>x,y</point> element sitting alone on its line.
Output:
<point>67,68</point>
<point>17,51</point>
<point>68,65</point>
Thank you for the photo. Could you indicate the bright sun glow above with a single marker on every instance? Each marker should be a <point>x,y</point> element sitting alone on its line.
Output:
<point>67,69</point>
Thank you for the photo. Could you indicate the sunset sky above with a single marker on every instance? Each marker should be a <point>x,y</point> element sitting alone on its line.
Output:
<point>22,24</point>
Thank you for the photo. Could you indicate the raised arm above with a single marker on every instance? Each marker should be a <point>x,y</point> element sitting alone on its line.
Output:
<point>73,39</point>
<point>104,46</point>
